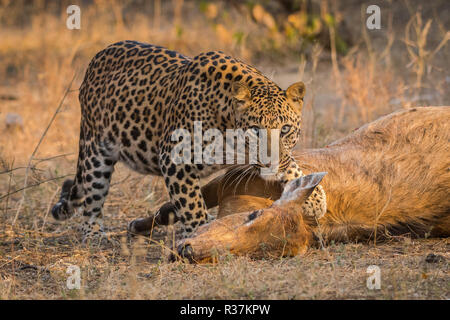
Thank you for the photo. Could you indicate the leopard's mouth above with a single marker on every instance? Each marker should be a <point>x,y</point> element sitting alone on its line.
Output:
<point>270,177</point>
<point>273,171</point>
<point>270,172</point>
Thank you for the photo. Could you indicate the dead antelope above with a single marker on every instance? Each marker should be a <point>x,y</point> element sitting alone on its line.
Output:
<point>390,177</point>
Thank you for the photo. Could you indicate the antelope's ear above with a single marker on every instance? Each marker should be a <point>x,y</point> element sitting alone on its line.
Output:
<point>241,95</point>
<point>300,189</point>
<point>295,94</point>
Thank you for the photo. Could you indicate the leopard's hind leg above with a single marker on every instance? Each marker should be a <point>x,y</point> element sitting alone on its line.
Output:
<point>72,193</point>
<point>90,187</point>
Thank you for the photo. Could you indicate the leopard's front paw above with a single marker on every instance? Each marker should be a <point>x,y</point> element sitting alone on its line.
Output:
<point>291,173</point>
<point>316,204</point>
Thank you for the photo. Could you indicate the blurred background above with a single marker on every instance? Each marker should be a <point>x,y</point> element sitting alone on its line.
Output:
<point>353,75</point>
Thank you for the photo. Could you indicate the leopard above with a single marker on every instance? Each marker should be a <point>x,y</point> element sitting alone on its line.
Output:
<point>135,95</point>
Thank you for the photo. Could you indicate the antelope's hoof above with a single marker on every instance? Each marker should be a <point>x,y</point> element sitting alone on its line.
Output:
<point>139,227</point>
<point>185,251</point>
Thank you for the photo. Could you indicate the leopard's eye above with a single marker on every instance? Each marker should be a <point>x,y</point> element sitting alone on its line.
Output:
<point>254,130</point>
<point>285,129</point>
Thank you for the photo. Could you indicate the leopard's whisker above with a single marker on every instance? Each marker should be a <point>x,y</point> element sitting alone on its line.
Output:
<point>249,171</point>
<point>230,174</point>
<point>240,177</point>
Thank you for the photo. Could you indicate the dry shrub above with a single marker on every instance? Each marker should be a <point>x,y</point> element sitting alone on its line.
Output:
<point>368,89</point>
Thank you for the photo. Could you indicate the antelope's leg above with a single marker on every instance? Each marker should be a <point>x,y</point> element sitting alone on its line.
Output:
<point>165,215</point>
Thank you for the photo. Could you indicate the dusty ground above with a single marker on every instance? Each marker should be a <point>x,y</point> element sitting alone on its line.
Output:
<point>371,79</point>
<point>33,265</point>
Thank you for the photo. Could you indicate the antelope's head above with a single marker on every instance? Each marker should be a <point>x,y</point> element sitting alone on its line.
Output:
<point>279,230</point>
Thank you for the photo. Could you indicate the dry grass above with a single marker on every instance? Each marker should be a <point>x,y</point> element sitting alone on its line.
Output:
<point>37,270</point>
<point>38,60</point>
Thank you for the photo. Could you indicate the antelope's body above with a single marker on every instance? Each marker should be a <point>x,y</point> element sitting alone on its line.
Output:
<point>390,177</point>
<point>393,173</point>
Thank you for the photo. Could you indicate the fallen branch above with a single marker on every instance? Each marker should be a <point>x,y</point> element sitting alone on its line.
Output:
<point>34,185</point>
<point>33,167</point>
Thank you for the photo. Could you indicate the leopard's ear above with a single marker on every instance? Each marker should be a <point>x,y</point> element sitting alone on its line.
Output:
<point>241,95</point>
<point>295,94</point>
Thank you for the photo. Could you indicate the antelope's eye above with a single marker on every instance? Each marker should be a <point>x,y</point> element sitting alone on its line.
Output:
<point>285,129</point>
<point>253,215</point>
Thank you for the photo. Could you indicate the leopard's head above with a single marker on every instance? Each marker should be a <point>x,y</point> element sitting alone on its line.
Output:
<point>266,109</point>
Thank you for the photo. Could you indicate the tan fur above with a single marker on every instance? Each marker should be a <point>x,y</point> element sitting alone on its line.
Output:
<point>389,177</point>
